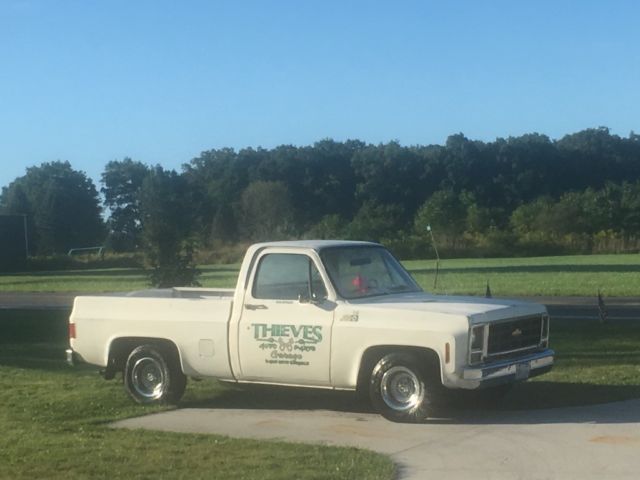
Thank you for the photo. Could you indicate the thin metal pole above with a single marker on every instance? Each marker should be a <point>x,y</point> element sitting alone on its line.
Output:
<point>433,242</point>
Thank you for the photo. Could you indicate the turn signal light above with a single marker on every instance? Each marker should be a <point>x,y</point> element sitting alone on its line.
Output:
<point>72,330</point>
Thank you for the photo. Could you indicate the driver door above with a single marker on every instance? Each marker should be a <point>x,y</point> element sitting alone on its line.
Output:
<point>286,322</point>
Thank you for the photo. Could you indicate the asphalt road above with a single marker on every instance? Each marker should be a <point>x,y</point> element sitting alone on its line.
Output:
<point>40,300</point>
<point>586,308</point>
<point>28,300</point>
<point>614,311</point>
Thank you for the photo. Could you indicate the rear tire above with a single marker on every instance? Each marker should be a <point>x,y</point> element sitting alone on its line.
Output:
<point>152,375</point>
<point>403,388</point>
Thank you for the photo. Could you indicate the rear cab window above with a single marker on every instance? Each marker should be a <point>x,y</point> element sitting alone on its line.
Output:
<point>286,276</point>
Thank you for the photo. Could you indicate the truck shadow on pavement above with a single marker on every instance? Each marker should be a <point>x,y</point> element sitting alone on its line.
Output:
<point>547,403</point>
<point>265,397</point>
<point>534,403</point>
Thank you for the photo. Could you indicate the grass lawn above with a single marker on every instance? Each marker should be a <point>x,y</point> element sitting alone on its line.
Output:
<point>577,275</point>
<point>595,363</point>
<point>105,280</point>
<point>582,275</point>
<point>53,424</point>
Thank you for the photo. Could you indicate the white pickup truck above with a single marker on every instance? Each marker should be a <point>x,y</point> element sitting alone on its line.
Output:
<point>327,314</point>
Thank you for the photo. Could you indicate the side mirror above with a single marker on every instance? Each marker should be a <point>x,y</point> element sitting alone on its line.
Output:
<point>306,298</point>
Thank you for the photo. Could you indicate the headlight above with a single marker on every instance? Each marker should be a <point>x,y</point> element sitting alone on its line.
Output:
<point>544,335</point>
<point>476,343</point>
<point>477,337</point>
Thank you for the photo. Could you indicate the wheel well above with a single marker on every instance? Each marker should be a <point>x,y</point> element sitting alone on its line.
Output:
<point>120,349</point>
<point>372,355</point>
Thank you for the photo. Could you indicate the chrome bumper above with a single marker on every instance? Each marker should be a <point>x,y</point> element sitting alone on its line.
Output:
<point>514,369</point>
<point>73,358</point>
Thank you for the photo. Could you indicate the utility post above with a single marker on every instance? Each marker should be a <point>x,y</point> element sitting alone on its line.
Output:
<point>433,242</point>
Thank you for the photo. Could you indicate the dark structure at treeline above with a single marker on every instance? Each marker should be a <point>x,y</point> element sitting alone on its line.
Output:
<point>515,196</point>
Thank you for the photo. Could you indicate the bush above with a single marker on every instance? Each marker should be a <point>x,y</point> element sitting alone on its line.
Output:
<point>410,247</point>
<point>329,227</point>
<point>167,222</point>
<point>221,253</point>
<point>176,270</point>
<point>84,262</point>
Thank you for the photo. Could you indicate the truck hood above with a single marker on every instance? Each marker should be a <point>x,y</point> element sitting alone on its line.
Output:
<point>477,309</point>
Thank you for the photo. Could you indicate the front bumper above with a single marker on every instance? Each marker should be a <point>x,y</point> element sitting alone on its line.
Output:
<point>512,370</point>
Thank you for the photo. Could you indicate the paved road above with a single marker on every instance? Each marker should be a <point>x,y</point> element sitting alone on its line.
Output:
<point>40,300</point>
<point>28,300</point>
<point>597,442</point>
<point>615,310</point>
<point>559,307</point>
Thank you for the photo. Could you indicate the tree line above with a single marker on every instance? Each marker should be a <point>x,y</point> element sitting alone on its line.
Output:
<point>514,196</point>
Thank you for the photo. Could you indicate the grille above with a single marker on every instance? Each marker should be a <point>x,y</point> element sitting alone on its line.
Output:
<point>514,336</point>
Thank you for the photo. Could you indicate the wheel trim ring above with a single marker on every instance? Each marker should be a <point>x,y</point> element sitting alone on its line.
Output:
<point>147,378</point>
<point>401,390</point>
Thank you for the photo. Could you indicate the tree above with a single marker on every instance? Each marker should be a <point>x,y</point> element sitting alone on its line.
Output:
<point>329,226</point>
<point>224,225</point>
<point>62,205</point>
<point>532,217</point>
<point>595,156</point>
<point>445,212</point>
<point>389,175</point>
<point>372,190</point>
<point>167,229</point>
<point>266,211</point>
<point>122,181</point>
<point>321,180</point>
<point>216,179</point>
<point>630,208</point>
<point>376,222</point>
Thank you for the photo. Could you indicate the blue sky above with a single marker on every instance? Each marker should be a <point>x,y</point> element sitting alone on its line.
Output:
<point>161,81</point>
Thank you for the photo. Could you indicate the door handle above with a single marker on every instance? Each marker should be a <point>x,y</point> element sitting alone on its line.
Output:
<point>249,306</point>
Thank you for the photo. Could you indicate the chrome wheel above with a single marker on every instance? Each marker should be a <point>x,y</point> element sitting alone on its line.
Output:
<point>148,378</point>
<point>153,374</point>
<point>404,385</point>
<point>401,389</point>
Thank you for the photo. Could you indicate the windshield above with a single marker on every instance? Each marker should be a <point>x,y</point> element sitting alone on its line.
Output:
<point>362,271</point>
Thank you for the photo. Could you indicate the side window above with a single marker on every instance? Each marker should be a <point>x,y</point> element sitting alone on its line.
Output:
<point>284,276</point>
<point>318,290</point>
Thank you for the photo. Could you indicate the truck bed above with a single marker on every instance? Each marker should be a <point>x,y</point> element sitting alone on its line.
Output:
<point>182,292</point>
<point>194,319</point>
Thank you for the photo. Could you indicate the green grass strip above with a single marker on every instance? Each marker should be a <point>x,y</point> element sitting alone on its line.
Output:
<point>580,275</point>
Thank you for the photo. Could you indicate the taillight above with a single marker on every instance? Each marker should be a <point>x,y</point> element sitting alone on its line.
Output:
<point>72,331</point>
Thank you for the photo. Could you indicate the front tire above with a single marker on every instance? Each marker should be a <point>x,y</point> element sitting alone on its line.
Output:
<point>402,388</point>
<point>152,375</point>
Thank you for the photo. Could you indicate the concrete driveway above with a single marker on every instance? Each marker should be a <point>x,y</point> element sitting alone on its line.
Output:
<point>596,442</point>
